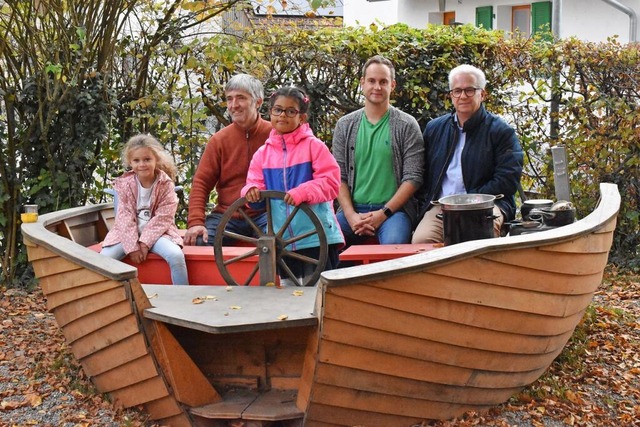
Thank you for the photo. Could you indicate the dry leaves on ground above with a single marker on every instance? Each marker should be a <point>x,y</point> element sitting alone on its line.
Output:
<point>594,382</point>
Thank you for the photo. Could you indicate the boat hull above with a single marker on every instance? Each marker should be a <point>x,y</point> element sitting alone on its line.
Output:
<point>425,336</point>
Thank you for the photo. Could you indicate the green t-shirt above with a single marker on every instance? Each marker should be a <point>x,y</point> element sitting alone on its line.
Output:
<point>375,182</point>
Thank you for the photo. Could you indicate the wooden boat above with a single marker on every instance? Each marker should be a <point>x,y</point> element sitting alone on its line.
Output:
<point>390,343</point>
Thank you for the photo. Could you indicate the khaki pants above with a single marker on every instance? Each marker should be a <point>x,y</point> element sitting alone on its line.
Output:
<point>430,229</point>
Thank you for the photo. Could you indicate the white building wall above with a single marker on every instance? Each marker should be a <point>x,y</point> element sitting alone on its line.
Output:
<point>590,20</point>
<point>363,13</point>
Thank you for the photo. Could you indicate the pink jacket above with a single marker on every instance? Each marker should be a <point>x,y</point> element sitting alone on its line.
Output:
<point>164,203</point>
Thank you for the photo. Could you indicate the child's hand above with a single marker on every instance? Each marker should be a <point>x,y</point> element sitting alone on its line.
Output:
<point>136,257</point>
<point>253,195</point>
<point>288,199</point>
<point>144,249</point>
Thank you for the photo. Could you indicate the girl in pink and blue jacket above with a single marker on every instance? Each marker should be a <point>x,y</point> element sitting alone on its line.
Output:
<point>297,163</point>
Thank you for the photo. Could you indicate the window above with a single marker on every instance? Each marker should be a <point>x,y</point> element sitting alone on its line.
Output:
<point>484,17</point>
<point>521,20</point>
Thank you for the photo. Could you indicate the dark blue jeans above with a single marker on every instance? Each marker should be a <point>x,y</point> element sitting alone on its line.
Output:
<point>395,230</point>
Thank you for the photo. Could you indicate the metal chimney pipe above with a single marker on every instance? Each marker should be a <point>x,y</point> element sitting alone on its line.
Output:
<point>633,18</point>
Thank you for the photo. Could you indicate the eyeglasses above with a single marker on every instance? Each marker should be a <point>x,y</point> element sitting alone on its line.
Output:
<point>469,91</point>
<point>289,112</point>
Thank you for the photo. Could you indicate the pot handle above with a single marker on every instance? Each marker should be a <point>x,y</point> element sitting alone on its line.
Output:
<point>439,216</point>
<point>499,196</point>
<point>436,203</point>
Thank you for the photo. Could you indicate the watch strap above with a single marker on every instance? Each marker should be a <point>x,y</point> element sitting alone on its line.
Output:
<point>387,212</point>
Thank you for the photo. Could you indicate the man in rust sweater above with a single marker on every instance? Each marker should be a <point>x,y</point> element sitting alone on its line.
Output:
<point>225,162</point>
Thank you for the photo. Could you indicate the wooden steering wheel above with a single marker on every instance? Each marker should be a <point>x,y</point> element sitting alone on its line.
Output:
<point>270,246</point>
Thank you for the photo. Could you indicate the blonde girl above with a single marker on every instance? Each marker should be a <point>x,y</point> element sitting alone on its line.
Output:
<point>146,209</point>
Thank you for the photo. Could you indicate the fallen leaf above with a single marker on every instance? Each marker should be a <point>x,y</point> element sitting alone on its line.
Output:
<point>197,300</point>
<point>283,317</point>
<point>235,307</point>
<point>298,293</point>
<point>229,288</point>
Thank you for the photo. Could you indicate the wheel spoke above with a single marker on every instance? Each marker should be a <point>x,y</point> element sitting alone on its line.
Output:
<point>250,221</point>
<point>270,230</point>
<point>245,255</point>
<point>252,275</point>
<point>300,257</point>
<point>301,236</point>
<point>284,267</point>
<point>241,237</point>
<point>287,222</point>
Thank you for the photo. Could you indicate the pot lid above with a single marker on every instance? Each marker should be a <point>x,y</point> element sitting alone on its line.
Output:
<point>467,201</point>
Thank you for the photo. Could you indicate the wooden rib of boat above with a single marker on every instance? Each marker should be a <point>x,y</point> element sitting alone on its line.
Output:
<point>390,343</point>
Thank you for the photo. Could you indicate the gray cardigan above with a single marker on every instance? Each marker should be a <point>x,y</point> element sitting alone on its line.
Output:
<point>406,142</point>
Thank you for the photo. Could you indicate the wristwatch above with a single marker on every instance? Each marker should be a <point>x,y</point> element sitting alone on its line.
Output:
<point>387,212</point>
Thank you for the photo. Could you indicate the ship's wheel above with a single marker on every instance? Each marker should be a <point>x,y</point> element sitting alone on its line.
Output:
<point>270,246</point>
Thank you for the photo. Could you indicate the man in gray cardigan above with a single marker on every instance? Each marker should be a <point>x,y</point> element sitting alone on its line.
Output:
<point>381,155</point>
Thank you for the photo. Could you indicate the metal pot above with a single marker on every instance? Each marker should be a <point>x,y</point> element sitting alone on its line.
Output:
<point>530,204</point>
<point>464,202</point>
<point>467,217</point>
<point>561,213</point>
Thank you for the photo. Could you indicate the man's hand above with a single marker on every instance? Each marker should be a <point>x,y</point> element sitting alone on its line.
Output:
<point>191,236</point>
<point>362,224</point>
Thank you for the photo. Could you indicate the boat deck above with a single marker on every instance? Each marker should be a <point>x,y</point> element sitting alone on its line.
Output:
<point>222,310</point>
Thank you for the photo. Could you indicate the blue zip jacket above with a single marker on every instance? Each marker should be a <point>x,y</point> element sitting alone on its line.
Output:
<point>492,158</point>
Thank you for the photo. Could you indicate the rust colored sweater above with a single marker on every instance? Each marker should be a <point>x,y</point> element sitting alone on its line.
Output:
<point>223,166</point>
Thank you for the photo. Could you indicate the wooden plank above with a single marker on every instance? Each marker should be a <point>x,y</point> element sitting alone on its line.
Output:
<point>511,321</point>
<point>50,266</point>
<point>126,374</point>
<point>384,404</point>
<point>273,405</point>
<point>507,270</point>
<point>91,304</point>
<point>163,408</point>
<point>189,385</point>
<point>56,299</point>
<point>234,309</point>
<point>416,348</point>
<point>85,325</point>
<point>231,407</point>
<point>468,336</point>
<point>364,254</point>
<point>111,357</point>
<point>140,393</point>
<point>68,280</point>
<point>321,415</point>
<point>401,387</point>
<point>419,369</point>
<point>36,252</point>
<point>284,383</point>
<point>105,337</point>
<point>486,294</point>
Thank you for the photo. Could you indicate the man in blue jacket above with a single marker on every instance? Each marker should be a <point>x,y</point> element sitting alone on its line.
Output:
<point>468,151</point>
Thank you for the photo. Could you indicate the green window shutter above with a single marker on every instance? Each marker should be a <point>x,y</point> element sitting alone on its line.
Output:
<point>484,17</point>
<point>540,16</point>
